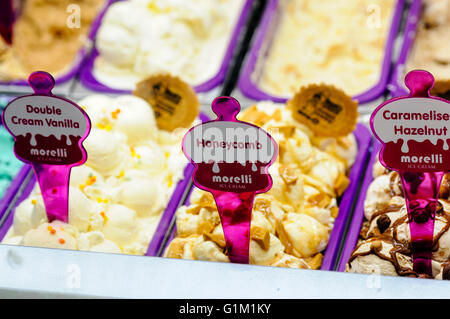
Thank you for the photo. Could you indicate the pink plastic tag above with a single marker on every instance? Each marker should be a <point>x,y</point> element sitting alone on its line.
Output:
<point>414,131</point>
<point>48,132</point>
<point>231,160</point>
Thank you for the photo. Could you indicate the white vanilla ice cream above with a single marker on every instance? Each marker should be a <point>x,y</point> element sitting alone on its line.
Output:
<point>117,197</point>
<point>341,43</point>
<point>186,38</point>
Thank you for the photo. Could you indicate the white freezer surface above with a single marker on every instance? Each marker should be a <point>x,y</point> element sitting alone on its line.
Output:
<point>39,272</point>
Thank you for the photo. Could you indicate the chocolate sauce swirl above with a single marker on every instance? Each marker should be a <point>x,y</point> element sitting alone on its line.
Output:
<point>384,229</point>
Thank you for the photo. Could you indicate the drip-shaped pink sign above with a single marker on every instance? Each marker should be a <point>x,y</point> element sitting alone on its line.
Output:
<point>414,131</point>
<point>48,132</point>
<point>231,160</point>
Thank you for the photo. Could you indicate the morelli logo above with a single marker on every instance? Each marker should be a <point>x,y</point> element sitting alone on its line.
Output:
<point>243,179</point>
<point>59,152</point>
<point>432,159</point>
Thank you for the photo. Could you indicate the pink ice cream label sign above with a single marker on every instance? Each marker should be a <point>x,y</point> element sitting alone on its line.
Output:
<point>416,134</point>
<point>231,160</point>
<point>230,156</point>
<point>47,129</point>
<point>48,132</point>
<point>414,131</point>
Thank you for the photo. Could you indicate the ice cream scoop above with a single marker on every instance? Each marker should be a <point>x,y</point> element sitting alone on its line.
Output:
<point>180,37</point>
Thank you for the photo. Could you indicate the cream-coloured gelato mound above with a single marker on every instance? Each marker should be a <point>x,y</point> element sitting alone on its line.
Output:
<point>187,38</point>
<point>380,193</point>
<point>333,42</point>
<point>114,205</point>
<point>291,223</point>
<point>44,38</point>
<point>384,244</point>
<point>431,48</point>
<point>54,235</point>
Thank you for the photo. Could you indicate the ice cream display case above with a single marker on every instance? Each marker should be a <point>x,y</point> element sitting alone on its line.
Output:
<point>278,64</point>
<point>94,273</point>
<point>428,22</point>
<point>58,44</point>
<point>139,227</point>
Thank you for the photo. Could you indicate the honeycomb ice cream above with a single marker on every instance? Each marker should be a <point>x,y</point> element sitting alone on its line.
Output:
<point>316,42</point>
<point>384,246</point>
<point>114,205</point>
<point>431,50</point>
<point>185,38</point>
<point>292,222</point>
<point>46,37</point>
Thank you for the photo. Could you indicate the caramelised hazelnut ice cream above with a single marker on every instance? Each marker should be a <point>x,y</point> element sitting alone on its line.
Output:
<point>114,204</point>
<point>431,48</point>
<point>341,43</point>
<point>384,246</point>
<point>292,222</point>
<point>186,38</point>
<point>45,37</point>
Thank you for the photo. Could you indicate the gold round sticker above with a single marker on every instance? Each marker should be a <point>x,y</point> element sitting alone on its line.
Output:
<point>174,101</point>
<point>441,89</point>
<point>326,110</point>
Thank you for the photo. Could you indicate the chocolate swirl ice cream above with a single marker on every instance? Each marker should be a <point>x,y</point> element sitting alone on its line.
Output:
<point>384,245</point>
